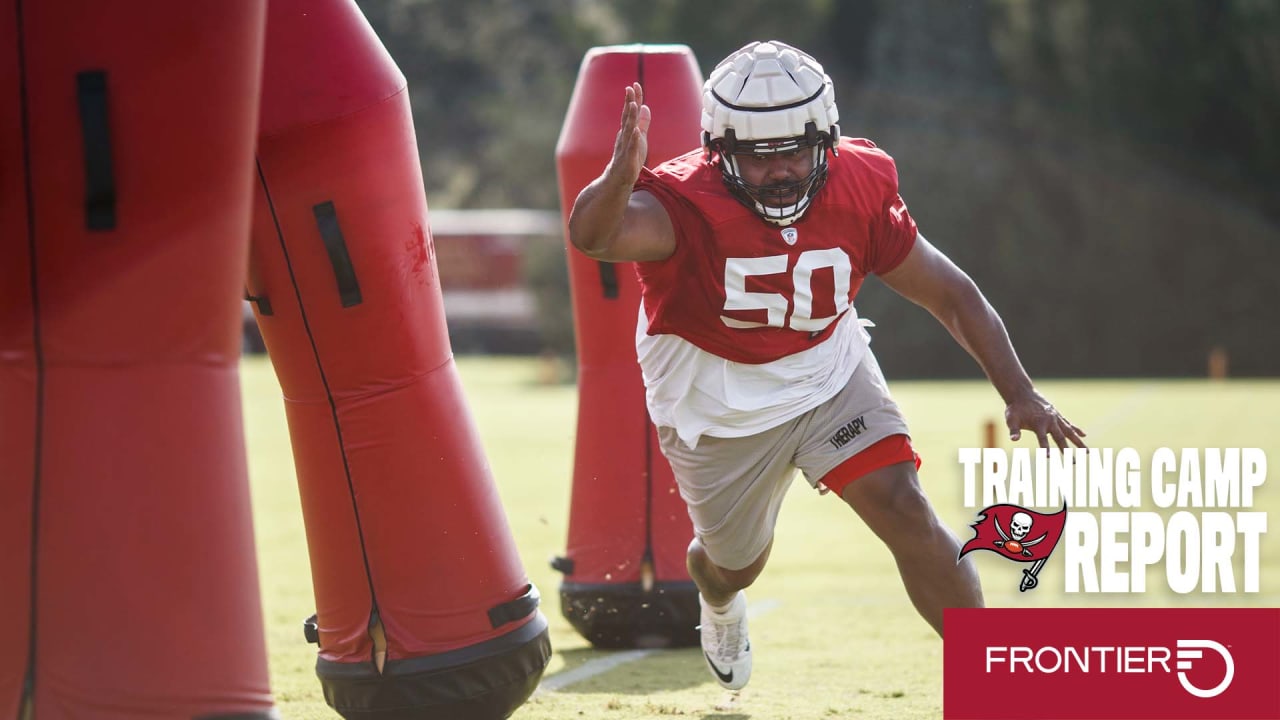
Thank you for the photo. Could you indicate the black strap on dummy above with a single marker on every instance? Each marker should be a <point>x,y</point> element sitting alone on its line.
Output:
<point>99,187</point>
<point>514,610</point>
<point>264,305</point>
<point>331,233</point>
<point>608,279</point>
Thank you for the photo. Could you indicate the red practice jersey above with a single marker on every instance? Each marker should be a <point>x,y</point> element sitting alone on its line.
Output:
<point>749,291</point>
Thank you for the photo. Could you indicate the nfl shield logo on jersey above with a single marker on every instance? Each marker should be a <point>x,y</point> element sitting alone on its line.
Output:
<point>790,235</point>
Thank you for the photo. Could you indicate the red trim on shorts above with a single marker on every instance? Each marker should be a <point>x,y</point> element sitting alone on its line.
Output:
<point>881,453</point>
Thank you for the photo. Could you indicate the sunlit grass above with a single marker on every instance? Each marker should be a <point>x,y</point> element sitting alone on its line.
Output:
<point>843,640</point>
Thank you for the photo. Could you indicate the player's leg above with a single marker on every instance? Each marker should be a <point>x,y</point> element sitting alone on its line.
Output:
<point>891,502</point>
<point>858,447</point>
<point>734,489</point>
<point>723,614</point>
<point>717,584</point>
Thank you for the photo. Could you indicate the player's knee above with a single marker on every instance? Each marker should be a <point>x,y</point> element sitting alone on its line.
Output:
<point>744,577</point>
<point>700,563</point>
<point>893,504</point>
<point>907,501</point>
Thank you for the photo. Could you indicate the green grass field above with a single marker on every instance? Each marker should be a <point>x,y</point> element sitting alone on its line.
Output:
<point>841,639</point>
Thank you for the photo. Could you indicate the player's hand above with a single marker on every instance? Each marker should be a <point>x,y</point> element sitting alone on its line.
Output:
<point>632,145</point>
<point>1032,412</point>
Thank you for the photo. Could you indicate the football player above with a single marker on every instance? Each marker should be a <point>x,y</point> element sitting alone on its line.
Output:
<point>750,252</point>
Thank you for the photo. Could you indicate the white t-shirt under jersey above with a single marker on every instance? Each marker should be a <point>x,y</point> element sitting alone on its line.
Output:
<point>698,393</point>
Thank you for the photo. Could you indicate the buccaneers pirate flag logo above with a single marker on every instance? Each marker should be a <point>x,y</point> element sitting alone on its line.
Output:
<point>1018,534</point>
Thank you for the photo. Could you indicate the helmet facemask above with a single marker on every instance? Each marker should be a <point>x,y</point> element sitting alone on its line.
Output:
<point>779,203</point>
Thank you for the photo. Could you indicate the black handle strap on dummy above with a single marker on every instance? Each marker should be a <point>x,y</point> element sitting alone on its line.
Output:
<point>515,610</point>
<point>264,305</point>
<point>562,564</point>
<point>608,279</point>
<point>99,187</point>
<point>311,629</point>
<point>344,272</point>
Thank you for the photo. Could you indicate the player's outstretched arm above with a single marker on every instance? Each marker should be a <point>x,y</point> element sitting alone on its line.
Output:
<point>929,278</point>
<point>610,222</point>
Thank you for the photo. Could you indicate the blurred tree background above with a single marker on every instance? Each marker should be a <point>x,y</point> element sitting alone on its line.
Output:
<point>1108,172</point>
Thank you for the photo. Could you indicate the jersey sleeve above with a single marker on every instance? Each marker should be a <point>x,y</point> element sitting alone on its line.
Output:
<point>893,230</point>
<point>893,234</point>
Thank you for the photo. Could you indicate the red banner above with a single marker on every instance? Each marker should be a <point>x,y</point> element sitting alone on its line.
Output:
<point>1093,663</point>
<point>1016,533</point>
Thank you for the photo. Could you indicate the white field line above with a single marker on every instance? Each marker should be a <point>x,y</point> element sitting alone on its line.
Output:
<point>605,663</point>
<point>591,668</point>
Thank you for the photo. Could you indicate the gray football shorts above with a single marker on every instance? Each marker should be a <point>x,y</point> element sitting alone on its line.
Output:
<point>734,486</point>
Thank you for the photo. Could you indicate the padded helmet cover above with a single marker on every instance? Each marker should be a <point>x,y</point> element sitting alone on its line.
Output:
<point>769,97</point>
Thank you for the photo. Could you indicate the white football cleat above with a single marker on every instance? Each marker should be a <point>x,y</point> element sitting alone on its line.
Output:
<point>725,646</point>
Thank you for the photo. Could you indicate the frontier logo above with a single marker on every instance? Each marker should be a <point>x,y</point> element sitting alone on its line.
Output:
<point>1087,663</point>
<point>1189,651</point>
<point>1016,659</point>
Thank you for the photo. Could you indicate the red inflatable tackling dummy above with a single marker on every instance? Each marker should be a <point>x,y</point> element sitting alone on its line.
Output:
<point>625,580</point>
<point>128,579</point>
<point>411,557</point>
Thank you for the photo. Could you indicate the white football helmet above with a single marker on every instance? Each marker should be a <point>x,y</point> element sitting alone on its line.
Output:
<point>766,98</point>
